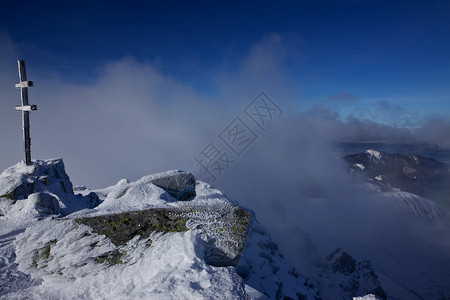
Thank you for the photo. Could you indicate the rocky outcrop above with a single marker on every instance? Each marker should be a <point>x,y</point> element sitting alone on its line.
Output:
<point>224,227</point>
<point>46,185</point>
<point>352,277</point>
<point>262,256</point>
<point>180,185</point>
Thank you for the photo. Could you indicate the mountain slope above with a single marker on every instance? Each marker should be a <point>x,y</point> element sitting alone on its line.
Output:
<point>411,173</point>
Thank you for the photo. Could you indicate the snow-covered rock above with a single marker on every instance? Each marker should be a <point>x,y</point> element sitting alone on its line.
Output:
<point>350,277</point>
<point>139,242</point>
<point>40,189</point>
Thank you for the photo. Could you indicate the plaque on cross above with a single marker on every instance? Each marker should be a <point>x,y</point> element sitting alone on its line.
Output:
<point>25,108</point>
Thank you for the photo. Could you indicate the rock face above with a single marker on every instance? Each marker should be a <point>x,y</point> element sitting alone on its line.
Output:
<point>342,262</point>
<point>180,185</point>
<point>411,173</point>
<point>224,227</point>
<point>262,256</point>
<point>353,278</point>
<point>46,185</point>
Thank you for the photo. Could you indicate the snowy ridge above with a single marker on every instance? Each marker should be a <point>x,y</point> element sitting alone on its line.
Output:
<point>387,172</point>
<point>420,209</point>
<point>53,258</point>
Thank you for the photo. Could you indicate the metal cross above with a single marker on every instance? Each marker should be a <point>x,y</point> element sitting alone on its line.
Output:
<point>25,108</point>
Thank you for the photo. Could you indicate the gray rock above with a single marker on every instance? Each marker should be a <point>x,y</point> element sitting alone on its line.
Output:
<point>342,262</point>
<point>181,185</point>
<point>358,278</point>
<point>47,203</point>
<point>223,227</point>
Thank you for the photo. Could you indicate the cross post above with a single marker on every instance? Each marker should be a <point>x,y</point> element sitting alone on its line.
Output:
<point>25,108</point>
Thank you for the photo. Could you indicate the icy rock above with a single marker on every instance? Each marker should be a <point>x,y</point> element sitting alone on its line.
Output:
<point>47,203</point>
<point>46,184</point>
<point>224,227</point>
<point>180,184</point>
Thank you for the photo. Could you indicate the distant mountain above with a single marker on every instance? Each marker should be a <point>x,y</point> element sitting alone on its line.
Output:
<point>423,176</point>
<point>391,241</point>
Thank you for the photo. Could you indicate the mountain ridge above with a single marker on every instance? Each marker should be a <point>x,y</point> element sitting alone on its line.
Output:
<point>420,175</point>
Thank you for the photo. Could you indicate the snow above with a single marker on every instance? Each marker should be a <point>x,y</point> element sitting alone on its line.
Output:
<point>171,268</point>
<point>367,297</point>
<point>14,175</point>
<point>361,166</point>
<point>373,153</point>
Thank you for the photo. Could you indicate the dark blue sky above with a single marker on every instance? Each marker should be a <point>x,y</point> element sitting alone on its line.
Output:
<point>395,52</point>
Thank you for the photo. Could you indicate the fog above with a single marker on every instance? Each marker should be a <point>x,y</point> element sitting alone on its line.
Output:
<point>133,119</point>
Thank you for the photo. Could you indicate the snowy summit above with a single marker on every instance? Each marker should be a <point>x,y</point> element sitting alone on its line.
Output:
<point>165,236</point>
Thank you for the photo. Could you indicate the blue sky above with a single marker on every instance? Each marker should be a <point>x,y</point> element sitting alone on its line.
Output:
<point>131,81</point>
<point>392,51</point>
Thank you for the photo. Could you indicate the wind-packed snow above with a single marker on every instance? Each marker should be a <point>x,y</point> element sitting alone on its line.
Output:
<point>171,268</point>
<point>142,194</point>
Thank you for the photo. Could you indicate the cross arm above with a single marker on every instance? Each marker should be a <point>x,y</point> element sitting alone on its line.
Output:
<point>26,107</point>
<point>24,84</point>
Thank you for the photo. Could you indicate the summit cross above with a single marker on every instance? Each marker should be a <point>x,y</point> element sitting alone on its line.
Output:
<point>25,108</point>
